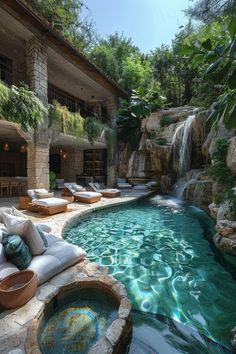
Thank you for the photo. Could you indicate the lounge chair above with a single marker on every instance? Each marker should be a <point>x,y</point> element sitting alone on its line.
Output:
<point>123,184</point>
<point>82,196</point>
<point>105,192</point>
<point>44,202</point>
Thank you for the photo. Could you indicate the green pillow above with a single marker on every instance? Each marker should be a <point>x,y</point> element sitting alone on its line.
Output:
<point>16,251</point>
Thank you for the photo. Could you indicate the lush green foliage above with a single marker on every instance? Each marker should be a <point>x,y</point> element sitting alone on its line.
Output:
<point>130,115</point>
<point>93,128</point>
<point>165,121</point>
<point>65,15</point>
<point>222,174</point>
<point>122,61</point>
<point>20,105</point>
<point>72,123</point>
<point>220,60</point>
<point>52,181</point>
<point>208,10</point>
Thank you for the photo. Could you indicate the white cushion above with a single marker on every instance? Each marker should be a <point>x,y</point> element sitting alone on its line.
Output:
<point>58,256</point>
<point>47,202</point>
<point>27,230</point>
<point>31,193</point>
<point>112,190</point>
<point>42,190</point>
<point>7,268</point>
<point>87,194</point>
<point>44,227</point>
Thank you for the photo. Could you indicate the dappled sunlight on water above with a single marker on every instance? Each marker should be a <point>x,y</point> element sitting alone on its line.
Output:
<point>159,249</point>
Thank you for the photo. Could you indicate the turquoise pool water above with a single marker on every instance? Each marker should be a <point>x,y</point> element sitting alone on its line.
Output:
<point>161,250</point>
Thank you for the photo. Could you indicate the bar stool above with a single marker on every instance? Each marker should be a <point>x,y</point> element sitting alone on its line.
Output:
<point>14,188</point>
<point>4,188</point>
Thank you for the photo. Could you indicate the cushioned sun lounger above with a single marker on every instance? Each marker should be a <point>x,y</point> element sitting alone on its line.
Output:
<point>105,192</point>
<point>80,195</point>
<point>87,197</point>
<point>48,206</point>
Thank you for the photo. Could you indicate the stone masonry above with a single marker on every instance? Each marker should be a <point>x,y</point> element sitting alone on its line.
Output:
<point>111,104</point>
<point>38,166</point>
<point>36,67</point>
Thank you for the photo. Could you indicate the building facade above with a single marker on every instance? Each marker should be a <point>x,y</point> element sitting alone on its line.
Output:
<point>33,52</point>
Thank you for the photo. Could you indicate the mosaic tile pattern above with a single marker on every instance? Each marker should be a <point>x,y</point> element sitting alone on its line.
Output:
<point>76,321</point>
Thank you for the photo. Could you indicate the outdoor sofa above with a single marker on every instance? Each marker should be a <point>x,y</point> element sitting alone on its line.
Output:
<point>81,195</point>
<point>105,192</point>
<point>47,261</point>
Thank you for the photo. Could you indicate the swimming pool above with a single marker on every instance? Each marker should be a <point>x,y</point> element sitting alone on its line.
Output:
<point>161,249</point>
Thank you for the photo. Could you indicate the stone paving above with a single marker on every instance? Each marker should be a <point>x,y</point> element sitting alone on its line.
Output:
<point>14,324</point>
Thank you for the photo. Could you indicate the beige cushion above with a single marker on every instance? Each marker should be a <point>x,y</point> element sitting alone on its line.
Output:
<point>44,195</point>
<point>27,230</point>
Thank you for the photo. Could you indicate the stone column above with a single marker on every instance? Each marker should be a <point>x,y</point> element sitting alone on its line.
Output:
<point>36,67</point>
<point>38,166</point>
<point>111,105</point>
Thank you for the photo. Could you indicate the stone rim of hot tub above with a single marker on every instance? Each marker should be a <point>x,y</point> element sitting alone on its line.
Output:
<point>118,334</point>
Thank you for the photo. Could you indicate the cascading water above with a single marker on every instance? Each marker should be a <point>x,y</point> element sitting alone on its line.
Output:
<point>181,146</point>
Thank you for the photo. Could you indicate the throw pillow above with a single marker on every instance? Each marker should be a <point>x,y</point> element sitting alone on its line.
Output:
<point>77,188</point>
<point>17,251</point>
<point>27,230</point>
<point>4,210</point>
<point>44,227</point>
<point>44,195</point>
<point>17,212</point>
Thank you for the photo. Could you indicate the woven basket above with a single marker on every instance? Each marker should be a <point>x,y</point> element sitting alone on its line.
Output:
<point>18,288</point>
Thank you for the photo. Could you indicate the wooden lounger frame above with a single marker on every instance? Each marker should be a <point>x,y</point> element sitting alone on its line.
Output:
<point>89,200</point>
<point>47,210</point>
<point>109,194</point>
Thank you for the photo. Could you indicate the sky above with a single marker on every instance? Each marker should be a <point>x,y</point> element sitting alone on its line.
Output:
<point>148,22</point>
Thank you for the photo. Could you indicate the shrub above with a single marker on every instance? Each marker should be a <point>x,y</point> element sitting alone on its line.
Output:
<point>165,121</point>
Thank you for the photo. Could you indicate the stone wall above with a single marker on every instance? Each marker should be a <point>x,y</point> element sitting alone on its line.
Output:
<point>36,66</point>
<point>38,166</point>
<point>72,164</point>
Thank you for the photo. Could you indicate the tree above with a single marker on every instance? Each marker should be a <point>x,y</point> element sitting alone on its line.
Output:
<point>122,61</point>
<point>210,10</point>
<point>65,15</point>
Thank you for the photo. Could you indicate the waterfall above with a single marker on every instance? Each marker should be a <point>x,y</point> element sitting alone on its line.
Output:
<point>181,147</point>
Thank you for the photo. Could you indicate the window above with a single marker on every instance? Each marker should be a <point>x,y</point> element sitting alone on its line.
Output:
<point>72,103</point>
<point>63,98</point>
<point>5,70</point>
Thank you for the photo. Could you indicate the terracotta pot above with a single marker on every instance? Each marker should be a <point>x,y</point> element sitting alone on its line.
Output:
<point>18,288</point>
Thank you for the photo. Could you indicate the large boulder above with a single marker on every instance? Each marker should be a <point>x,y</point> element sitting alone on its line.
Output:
<point>231,156</point>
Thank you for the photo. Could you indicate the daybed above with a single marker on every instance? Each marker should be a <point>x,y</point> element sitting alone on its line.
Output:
<point>123,184</point>
<point>105,192</point>
<point>57,256</point>
<point>45,203</point>
<point>83,196</point>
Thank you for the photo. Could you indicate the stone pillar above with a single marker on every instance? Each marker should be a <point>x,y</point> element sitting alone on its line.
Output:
<point>38,166</point>
<point>36,67</point>
<point>111,105</point>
